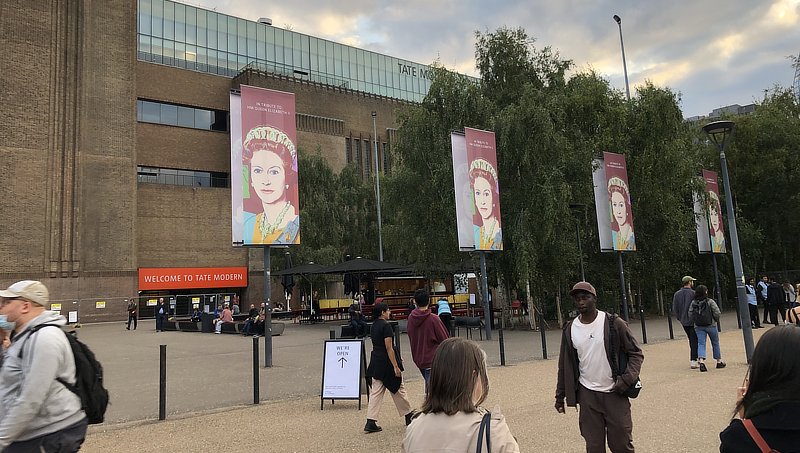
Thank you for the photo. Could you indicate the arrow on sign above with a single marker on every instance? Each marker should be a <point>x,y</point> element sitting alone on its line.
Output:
<point>342,360</point>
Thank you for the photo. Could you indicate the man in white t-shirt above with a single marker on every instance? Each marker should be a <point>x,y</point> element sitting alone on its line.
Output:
<point>588,373</point>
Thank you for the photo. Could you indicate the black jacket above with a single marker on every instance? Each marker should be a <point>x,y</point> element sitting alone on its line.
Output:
<point>778,427</point>
<point>775,294</point>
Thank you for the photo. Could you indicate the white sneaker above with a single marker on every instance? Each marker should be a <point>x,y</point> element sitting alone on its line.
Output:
<point>694,364</point>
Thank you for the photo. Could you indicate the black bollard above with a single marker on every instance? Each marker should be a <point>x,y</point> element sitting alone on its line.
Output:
<point>541,327</point>
<point>332,333</point>
<point>162,384</point>
<point>500,333</point>
<point>256,398</point>
<point>641,316</point>
<point>669,322</point>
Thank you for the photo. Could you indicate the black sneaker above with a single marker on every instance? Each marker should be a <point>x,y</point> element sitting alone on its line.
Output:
<point>721,364</point>
<point>703,367</point>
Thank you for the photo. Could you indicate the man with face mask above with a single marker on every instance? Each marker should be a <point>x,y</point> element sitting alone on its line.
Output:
<point>37,412</point>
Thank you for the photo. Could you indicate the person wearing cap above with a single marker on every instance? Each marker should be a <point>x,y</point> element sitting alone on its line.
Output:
<point>680,305</point>
<point>588,373</point>
<point>37,411</point>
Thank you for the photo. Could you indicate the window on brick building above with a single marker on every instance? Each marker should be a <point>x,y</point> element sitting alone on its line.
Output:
<point>182,116</point>
<point>173,176</point>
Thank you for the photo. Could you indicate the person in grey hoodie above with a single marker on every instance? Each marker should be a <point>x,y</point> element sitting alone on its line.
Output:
<point>37,412</point>
<point>680,306</point>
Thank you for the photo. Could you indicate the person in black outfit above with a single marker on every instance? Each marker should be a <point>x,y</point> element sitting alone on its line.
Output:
<point>776,301</point>
<point>161,314</point>
<point>251,318</point>
<point>769,399</point>
<point>385,369</point>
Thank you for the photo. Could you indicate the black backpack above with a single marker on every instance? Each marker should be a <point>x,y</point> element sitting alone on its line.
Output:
<point>702,315</point>
<point>88,377</point>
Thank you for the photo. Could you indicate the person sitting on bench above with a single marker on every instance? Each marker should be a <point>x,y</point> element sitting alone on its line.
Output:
<point>224,317</point>
<point>357,320</point>
<point>197,315</point>
<point>250,320</point>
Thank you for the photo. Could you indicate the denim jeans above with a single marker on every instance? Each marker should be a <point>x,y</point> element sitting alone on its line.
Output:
<point>701,341</point>
<point>427,375</point>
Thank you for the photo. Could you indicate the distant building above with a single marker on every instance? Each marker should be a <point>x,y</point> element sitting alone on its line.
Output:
<point>733,109</point>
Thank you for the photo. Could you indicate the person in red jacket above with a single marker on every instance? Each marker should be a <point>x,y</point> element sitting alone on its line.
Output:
<point>425,332</point>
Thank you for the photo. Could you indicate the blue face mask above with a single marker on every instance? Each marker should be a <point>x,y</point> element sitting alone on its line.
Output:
<point>5,324</point>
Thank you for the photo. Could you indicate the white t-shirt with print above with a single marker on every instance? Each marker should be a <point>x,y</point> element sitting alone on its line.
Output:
<point>588,339</point>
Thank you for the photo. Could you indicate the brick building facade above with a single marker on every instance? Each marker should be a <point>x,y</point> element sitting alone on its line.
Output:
<point>75,213</point>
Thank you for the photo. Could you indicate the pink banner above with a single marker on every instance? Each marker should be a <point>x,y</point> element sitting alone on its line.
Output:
<point>482,158</point>
<point>269,167</point>
<point>619,201</point>
<point>715,230</point>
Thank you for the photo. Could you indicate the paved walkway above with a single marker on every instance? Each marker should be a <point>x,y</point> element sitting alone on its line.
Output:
<point>210,391</point>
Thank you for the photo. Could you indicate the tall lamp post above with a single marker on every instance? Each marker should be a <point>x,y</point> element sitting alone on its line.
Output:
<point>377,185</point>
<point>624,65</point>
<point>577,208</point>
<point>719,133</point>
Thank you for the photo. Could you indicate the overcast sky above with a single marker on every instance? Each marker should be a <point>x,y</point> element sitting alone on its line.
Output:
<point>714,53</point>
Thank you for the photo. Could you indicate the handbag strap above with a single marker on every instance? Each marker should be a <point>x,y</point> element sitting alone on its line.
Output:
<point>762,444</point>
<point>486,421</point>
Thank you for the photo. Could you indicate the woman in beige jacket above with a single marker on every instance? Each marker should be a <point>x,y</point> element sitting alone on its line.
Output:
<point>450,418</point>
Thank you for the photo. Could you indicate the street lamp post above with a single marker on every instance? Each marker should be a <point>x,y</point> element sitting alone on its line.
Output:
<point>624,65</point>
<point>720,133</point>
<point>577,208</point>
<point>377,185</point>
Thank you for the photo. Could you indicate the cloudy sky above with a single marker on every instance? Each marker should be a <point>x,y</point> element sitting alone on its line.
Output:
<point>714,53</point>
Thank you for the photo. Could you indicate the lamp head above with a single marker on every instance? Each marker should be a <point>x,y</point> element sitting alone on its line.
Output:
<point>618,19</point>
<point>719,133</point>
<point>374,113</point>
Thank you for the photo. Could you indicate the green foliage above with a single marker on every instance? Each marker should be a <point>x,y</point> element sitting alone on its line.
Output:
<point>764,169</point>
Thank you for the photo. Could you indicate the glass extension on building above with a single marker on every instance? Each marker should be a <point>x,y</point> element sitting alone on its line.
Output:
<point>193,38</point>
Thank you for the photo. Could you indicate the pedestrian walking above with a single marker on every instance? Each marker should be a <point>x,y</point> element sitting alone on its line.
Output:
<point>133,314</point>
<point>425,332</point>
<point>590,344</point>
<point>680,306</point>
<point>37,410</point>
<point>386,370</point>
<point>705,314</point>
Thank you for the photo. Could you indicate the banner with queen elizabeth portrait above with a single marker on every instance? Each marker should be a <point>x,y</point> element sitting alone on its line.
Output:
<point>484,188</point>
<point>264,168</point>
<point>613,203</point>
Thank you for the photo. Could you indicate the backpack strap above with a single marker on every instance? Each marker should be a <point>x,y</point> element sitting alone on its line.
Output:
<point>759,440</point>
<point>66,384</point>
<point>486,423</point>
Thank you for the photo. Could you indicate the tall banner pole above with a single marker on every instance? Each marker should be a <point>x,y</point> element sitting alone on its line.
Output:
<point>267,310</point>
<point>622,287</point>
<point>487,313</point>
<point>716,283</point>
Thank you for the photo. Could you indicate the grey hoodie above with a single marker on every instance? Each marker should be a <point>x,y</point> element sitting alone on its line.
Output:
<point>32,402</point>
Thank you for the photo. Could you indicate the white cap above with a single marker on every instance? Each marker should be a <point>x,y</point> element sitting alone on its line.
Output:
<point>28,289</point>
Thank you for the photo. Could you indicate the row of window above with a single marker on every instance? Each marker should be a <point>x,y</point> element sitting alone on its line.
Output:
<point>177,115</point>
<point>186,33</point>
<point>182,177</point>
<point>354,153</point>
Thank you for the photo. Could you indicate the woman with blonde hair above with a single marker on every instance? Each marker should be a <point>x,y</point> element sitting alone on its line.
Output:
<point>451,418</point>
